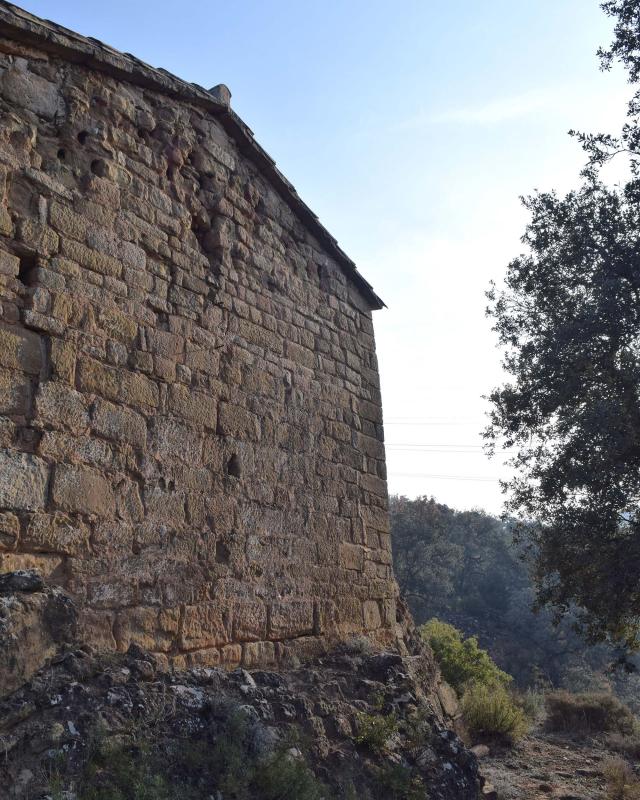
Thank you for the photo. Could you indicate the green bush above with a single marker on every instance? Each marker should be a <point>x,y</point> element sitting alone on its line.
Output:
<point>397,782</point>
<point>284,777</point>
<point>489,712</point>
<point>588,712</point>
<point>375,730</point>
<point>461,661</point>
<point>193,768</point>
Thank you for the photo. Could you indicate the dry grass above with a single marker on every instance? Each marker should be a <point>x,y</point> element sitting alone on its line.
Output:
<point>628,746</point>
<point>588,713</point>
<point>622,782</point>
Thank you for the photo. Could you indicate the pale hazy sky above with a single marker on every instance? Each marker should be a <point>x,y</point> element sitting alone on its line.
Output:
<point>410,127</point>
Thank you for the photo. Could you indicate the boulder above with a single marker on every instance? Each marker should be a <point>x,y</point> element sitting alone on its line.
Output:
<point>36,622</point>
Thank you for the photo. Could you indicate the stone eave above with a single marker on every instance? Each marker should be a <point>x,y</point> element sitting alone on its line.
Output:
<point>20,25</point>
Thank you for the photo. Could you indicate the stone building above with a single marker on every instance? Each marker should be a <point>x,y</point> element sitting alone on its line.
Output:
<point>190,423</point>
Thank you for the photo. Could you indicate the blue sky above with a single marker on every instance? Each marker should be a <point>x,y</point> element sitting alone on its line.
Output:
<point>411,128</point>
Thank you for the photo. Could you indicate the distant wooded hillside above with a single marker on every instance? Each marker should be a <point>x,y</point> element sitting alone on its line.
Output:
<point>464,568</point>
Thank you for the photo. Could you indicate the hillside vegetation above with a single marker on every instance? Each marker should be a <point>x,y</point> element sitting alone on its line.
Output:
<point>463,568</point>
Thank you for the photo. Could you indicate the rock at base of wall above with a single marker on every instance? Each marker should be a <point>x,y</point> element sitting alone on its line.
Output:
<point>35,623</point>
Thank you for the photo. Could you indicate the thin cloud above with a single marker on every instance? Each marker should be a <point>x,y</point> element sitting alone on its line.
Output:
<point>499,110</point>
<point>563,99</point>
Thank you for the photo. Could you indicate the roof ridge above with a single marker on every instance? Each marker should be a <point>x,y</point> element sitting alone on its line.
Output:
<point>17,23</point>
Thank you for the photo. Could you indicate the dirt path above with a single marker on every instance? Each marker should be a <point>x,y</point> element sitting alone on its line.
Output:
<point>546,766</point>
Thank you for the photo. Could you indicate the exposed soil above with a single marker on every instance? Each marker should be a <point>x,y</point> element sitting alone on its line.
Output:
<point>545,765</point>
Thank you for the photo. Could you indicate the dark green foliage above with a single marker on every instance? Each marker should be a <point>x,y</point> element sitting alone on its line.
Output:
<point>588,713</point>
<point>569,321</point>
<point>375,730</point>
<point>397,782</point>
<point>490,594</point>
<point>194,769</point>
<point>119,772</point>
<point>489,711</point>
<point>286,778</point>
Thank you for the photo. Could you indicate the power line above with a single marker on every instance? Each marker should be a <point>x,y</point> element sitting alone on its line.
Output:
<point>434,423</point>
<point>393,449</point>
<point>444,477</point>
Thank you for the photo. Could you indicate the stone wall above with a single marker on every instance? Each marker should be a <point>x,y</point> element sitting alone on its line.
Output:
<point>190,420</point>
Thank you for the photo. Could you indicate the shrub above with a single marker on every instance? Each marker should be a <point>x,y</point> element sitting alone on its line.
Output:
<point>489,712</point>
<point>622,783</point>
<point>397,782</point>
<point>588,712</point>
<point>629,746</point>
<point>530,702</point>
<point>375,730</point>
<point>461,661</point>
<point>284,777</point>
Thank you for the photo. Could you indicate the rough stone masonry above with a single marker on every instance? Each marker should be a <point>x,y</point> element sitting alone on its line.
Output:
<point>190,420</point>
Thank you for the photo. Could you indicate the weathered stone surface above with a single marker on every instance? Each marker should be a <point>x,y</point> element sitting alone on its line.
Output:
<point>23,481</point>
<point>190,421</point>
<point>117,422</point>
<point>28,90</point>
<point>205,625</point>
<point>83,490</point>
<point>290,618</point>
<point>58,405</point>
<point>34,624</point>
<point>20,349</point>
<point>15,392</point>
<point>56,533</point>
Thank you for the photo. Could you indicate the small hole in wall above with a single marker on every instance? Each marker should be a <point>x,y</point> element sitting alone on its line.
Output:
<point>223,554</point>
<point>99,167</point>
<point>28,263</point>
<point>233,466</point>
<point>62,154</point>
<point>83,136</point>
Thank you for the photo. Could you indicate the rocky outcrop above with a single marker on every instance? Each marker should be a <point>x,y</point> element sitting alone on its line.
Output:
<point>359,724</point>
<point>35,624</point>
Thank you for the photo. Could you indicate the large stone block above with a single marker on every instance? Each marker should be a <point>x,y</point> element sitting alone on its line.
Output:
<point>196,407</point>
<point>56,533</point>
<point>9,530</point>
<point>150,627</point>
<point>25,89</point>
<point>23,481</point>
<point>249,621</point>
<point>121,424</point>
<point>20,349</point>
<point>58,405</point>
<point>83,490</point>
<point>238,423</point>
<point>290,618</point>
<point>15,392</point>
<point>173,440</point>
<point>352,556</point>
<point>120,385</point>
<point>205,625</point>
